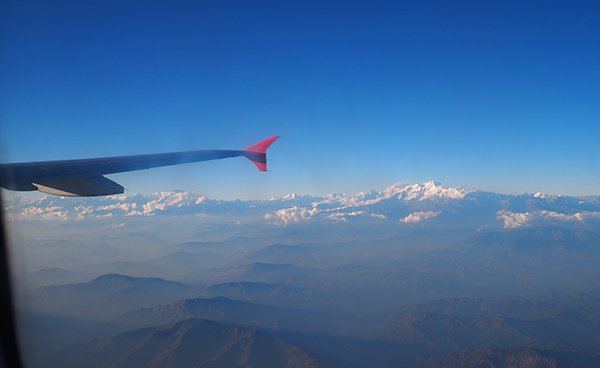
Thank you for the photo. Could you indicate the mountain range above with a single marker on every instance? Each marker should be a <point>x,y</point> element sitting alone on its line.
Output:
<point>190,343</point>
<point>405,205</point>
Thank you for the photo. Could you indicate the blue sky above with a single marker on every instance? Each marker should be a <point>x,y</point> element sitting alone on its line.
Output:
<point>495,95</point>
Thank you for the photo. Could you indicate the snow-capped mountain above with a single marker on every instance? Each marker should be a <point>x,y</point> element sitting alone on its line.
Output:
<point>402,205</point>
<point>426,191</point>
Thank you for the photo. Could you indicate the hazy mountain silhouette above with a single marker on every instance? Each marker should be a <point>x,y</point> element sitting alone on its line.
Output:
<point>257,272</point>
<point>108,295</point>
<point>531,307</point>
<point>546,240</point>
<point>522,357</point>
<point>261,292</point>
<point>447,333</point>
<point>223,309</point>
<point>495,358</point>
<point>190,343</point>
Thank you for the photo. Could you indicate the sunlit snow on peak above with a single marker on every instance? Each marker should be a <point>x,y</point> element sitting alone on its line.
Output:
<point>430,190</point>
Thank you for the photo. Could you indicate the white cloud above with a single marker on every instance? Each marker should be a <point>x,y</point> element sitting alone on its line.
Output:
<point>285,216</point>
<point>168,200</point>
<point>121,206</point>
<point>513,220</point>
<point>337,217</point>
<point>419,216</point>
<point>63,209</point>
<point>83,211</point>
<point>50,213</point>
<point>341,216</point>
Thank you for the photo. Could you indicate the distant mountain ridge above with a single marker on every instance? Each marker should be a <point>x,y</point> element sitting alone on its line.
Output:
<point>447,332</point>
<point>522,357</point>
<point>108,295</point>
<point>495,358</point>
<point>189,343</point>
<point>538,239</point>
<point>220,309</point>
<point>269,294</point>
<point>531,307</point>
<point>408,204</point>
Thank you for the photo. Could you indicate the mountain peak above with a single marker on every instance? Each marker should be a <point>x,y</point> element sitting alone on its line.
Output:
<point>176,344</point>
<point>541,195</point>
<point>430,190</point>
<point>292,196</point>
<point>431,184</point>
<point>108,277</point>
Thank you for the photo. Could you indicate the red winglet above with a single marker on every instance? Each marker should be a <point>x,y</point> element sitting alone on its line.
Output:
<point>260,148</point>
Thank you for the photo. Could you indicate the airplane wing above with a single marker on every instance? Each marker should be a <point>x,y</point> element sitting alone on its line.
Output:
<point>84,178</point>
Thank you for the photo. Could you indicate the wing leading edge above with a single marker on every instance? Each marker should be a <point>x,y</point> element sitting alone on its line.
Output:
<point>83,178</point>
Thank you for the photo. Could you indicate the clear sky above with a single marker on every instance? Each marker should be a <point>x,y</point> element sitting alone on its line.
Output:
<point>495,95</point>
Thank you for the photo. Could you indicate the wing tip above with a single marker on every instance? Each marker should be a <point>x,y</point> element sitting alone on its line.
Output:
<point>262,146</point>
<point>257,152</point>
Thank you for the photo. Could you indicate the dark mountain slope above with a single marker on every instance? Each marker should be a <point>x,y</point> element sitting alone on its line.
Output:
<point>223,309</point>
<point>522,357</point>
<point>190,343</point>
<point>108,296</point>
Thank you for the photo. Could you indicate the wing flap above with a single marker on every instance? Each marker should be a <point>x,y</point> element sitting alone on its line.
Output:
<point>79,187</point>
